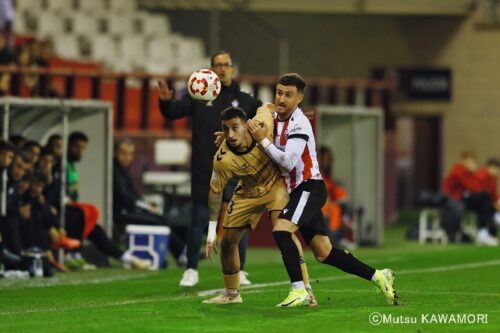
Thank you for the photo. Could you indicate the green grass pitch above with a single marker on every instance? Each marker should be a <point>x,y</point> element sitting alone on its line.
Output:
<point>431,280</point>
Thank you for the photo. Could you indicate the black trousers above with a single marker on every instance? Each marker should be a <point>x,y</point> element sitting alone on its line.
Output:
<point>75,223</point>
<point>11,233</point>
<point>482,204</point>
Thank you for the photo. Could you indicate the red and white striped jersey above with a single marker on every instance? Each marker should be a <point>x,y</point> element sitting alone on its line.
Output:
<point>297,126</point>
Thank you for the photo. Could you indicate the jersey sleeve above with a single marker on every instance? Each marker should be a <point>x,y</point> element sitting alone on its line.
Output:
<point>265,115</point>
<point>300,130</point>
<point>221,174</point>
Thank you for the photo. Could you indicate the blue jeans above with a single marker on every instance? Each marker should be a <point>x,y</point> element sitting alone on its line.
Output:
<point>198,227</point>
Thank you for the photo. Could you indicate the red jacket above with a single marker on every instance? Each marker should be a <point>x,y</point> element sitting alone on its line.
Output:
<point>460,180</point>
<point>488,182</point>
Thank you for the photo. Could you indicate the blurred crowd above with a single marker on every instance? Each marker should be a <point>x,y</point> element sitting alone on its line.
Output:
<point>31,54</point>
<point>469,203</point>
<point>31,225</point>
<point>470,187</point>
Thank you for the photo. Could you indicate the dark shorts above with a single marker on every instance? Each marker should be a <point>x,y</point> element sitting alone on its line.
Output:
<point>304,209</point>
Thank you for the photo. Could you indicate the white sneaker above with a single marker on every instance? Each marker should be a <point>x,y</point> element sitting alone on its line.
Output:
<point>497,218</point>
<point>244,281</point>
<point>484,238</point>
<point>190,278</point>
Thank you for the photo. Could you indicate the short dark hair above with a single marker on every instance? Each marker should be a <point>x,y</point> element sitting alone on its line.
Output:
<point>78,136</point>
<point>293,79</point>
<point>30,144</point>
<point>53,137</point>
<point>24,155</point>
<point>17,140</point>
<point>233,112</point>
<point>5,145</point>
<point>218,53</point>
<point>493,162</point>
<point>46,151</point>
<point>123,141</point>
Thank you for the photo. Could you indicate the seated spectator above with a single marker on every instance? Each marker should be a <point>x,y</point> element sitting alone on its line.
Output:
<point>334,212</point>
<point>488,178</point>
<point>7,153</point>
<point>16,210</point>
<point>81,218</point>
<point>24,60</point>
<point>54,148</point>
<point>6,54</point>
<point>34,149</point>
<point>128,206</point>
<point>463,186</point>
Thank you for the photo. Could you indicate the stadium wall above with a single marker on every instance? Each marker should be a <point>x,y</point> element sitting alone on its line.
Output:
<point>353,45</point>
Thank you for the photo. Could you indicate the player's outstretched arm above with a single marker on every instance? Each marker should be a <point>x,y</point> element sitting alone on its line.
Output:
<point>214,207</point>
<point>171,108</point>
<point>287,159</point>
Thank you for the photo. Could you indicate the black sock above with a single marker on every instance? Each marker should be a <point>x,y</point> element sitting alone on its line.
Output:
<point>290,254</point>
<point>348,263</point>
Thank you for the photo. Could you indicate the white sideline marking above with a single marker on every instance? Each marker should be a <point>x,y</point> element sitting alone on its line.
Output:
<point>55,281</point>
<point>257,288</point>
<point>93,305</point>
<point>402,272</point>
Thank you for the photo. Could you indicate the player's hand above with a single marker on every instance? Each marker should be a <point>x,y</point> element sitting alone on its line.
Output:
<point>210,249</point>
<point>163,90</point>
<point>219,138</point>
<point>256,129</point>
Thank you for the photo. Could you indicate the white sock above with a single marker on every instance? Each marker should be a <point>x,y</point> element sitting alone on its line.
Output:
<point>126,257</point>
<point>298,285</point>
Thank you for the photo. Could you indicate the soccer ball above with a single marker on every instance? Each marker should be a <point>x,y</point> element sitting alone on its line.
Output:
<point>204,85</point>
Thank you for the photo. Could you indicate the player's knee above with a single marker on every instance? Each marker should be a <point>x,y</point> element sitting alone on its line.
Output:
<point>228,244</point>
<point>321,256</point>
<point>284,225</point>
<point>321,247</point>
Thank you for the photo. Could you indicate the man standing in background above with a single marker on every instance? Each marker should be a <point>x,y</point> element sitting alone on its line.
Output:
<point>205,121</point>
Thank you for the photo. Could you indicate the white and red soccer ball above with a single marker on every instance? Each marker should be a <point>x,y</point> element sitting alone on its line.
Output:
<point>204,85</point>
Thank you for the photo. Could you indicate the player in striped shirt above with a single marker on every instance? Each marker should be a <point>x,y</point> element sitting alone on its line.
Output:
<point>259,189</point>
<point>294,151</point>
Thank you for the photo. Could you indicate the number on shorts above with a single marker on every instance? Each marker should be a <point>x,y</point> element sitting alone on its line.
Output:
<point>230,207</point>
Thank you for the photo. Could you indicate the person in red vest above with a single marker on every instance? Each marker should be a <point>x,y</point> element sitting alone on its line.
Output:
<point>462,185</point>
<point>487,176</point>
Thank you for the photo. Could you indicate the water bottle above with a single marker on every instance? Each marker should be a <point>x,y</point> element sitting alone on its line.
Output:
<point>38,265</point>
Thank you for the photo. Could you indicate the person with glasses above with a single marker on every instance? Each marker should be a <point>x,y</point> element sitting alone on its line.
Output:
<point>205,121</point>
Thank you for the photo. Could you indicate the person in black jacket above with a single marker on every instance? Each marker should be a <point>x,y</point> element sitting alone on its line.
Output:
<point>205,121</point>
<point>128,205</point>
